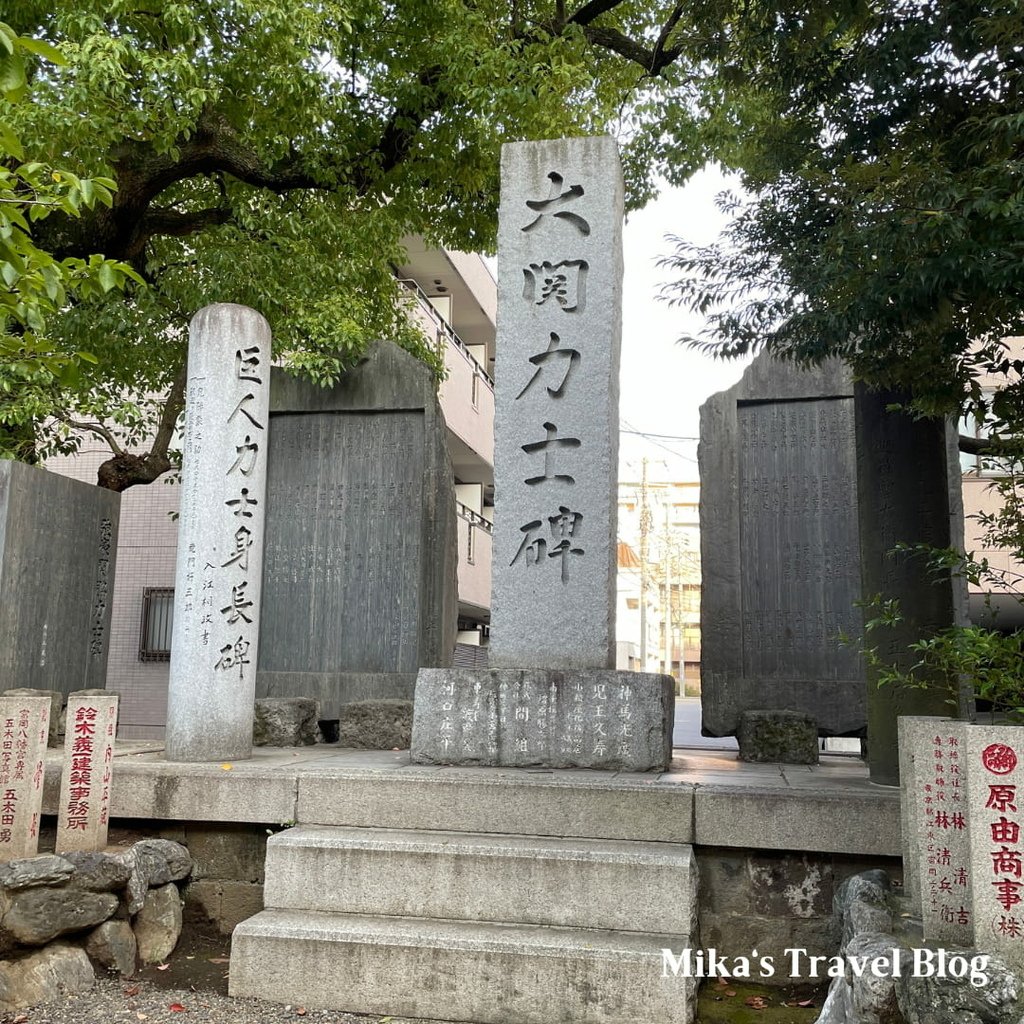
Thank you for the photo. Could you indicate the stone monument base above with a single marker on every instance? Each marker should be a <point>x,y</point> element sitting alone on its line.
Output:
<point>332,689</point>
<point>529,717</point>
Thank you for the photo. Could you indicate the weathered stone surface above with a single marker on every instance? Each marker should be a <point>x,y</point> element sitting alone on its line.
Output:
<point>780,548</point>
<point>861,906</point>
<point>870,997</point>
<point>285,722</point>
<point>222,902</point>
<point>556,405</point>
<point>35,916</point>
<point>59,970</point>
<point>98,872</point>
<point>113,945</point>
<point>220,537</point>
<point>153,862</point>
<point>87,692</point>
<point>910,493</point>
<point>223,851</point>
<point>29,872</point>
<point>158,924</point>
<point>376,724</point>
<point>523,717</point>
<point>936,1000</point>
<point>23,722</point>
<point>787,736</point>
<point>936,826</point>
<point>56,699</point>
<point>361,554</point>
<point>83,818</point>
<point>55,611</point>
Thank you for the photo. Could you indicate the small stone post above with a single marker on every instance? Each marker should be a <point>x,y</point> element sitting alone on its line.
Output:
<point>220,537</point>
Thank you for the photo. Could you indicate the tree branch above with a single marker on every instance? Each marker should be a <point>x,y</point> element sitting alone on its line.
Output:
<point>92,428</point>
<point>591,10</point>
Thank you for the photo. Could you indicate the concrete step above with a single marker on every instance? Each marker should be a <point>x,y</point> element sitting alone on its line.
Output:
<point>571,883</point>
<point>458,971</point>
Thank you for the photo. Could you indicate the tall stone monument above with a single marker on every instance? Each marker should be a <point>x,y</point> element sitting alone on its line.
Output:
<point>780,552</point>
<point>359,571</point>
<point>910,489</point>
<point>552,696</point>
<point>219,571</point>
<point>58,548</point>
<point>24,724</point>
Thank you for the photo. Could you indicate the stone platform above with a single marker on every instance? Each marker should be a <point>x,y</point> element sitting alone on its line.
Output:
<point>706,797</point>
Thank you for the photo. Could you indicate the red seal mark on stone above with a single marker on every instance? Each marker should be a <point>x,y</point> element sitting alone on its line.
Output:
<point>999,759</point>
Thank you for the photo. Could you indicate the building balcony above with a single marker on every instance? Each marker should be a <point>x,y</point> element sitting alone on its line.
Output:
<point>474,560</point>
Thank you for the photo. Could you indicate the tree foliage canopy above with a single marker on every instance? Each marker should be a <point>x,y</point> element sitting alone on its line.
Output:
<point>882,150</point>
<point>274,153</point>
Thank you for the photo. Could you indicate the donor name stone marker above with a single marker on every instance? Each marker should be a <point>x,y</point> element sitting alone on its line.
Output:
<point>24,726</point>
<point>220,537</point>
<point>83,817</point>
<point>557,405</point>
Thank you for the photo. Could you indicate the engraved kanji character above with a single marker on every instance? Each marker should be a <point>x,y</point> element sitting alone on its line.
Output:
<point>243,541</point>
<point>1001,797</point>
<point>246,461</point>
<point>532,547</point>
<point>234,656</point>
<point>239,604</point>
<point>564,282</point>
<point>551,441</point>
<point>247,361</point>
<point>1007,893</point>
<point>571,356</point>
<point>1010,927</point>
<point>553,205</point>
<point>245,412</point>
<point>1006,862</point>
<point>243,502</point>
<point>1005,831</point>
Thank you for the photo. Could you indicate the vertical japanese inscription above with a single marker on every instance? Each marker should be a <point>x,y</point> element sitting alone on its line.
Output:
<point>24,726</point>
<point>556,421</point>
<point>220,540</point>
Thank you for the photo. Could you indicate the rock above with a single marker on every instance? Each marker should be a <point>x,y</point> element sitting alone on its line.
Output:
<point>936,1000</point>
<point>376,725</point>
<point>837,1008</point>
<point>873,996</point>
<point>175,856</point>
<point>286,722</point>
<point>29,872</point>
<point>56,706</point>
<point>860,906</point>
<point>113,945</point>
<point>789,737</point>
<point>98,872</point>
<point>37,915</point>
<point>158,924</point>
<point>863,918</point>
<point>59,970</point>
<point>153,862</point>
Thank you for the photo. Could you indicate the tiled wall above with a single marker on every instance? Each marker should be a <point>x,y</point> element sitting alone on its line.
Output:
<point>145,558</point>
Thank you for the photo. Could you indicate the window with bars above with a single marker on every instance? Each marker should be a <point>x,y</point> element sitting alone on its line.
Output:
<point>157,622</point>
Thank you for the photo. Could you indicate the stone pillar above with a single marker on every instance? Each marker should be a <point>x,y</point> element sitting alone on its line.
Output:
<point>556,405</point>
<point>908,485</point>
<point>24,725</point>
<point>220,537</point>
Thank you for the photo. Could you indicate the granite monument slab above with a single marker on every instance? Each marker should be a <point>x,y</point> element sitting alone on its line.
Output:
<point>556,405</point>
<point>359,578</point>
<point>780,551</point>
<point>24,724</point>
<point>219,572</point>
<point>58,549</point>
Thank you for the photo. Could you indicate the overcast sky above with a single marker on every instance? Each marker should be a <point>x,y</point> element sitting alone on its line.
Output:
<point>663,383</point>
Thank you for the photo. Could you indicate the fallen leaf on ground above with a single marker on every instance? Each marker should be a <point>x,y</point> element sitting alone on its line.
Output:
<point>722,983</point>
<point>132,990</point>
<point>301,1011</point>
<point>756,1002</point>
<point>220,960</point>
<point>141,1015</point>
<point>163,967</point>
<point>227,767</point>
<point>730,991</point>
<point>176,1008</point>
<point>806,1002</point>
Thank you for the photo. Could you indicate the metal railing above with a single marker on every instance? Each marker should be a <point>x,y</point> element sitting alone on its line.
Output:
<point>445,328</point>
<point>473,518</point>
